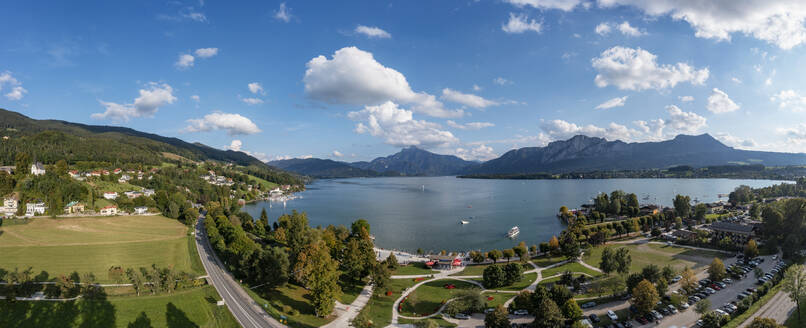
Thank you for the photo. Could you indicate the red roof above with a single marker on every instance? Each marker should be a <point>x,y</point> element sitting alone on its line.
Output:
<point>110,206</point>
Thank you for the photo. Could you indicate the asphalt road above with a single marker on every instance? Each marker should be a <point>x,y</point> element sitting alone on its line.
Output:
<point>246,311</point>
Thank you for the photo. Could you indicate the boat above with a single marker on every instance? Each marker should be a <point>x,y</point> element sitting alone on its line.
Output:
<point>464,221</point>
<point>513,232</point>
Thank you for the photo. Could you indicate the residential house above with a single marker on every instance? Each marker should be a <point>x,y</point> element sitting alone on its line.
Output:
<point>117,171</point>
<point>110,195</point>
<point>73,207</point>
<point>10,204</point>
<point>37,208</point>
<point>124,178</point>
<point>739,233</point>
<point>648,210</point>
<point>148,192</point>
<point>8,169</point>
<point>133,194</point>
<point>140,210</point>
<point>715,208</point>
<point>74,174</point>
<point>37,168</point>
<point>109,210</point>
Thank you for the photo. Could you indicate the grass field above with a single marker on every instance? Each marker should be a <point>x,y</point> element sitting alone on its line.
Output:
<point>416,268</point>
<point>438,320</point>
<point>282,300</point>
<point>660,255</point>
<point>189,308</point>
<point>379,307</point>
<point>477,270</point>
<point>427,298</point>
<point>545,261</point>
<point>61,246</point>
<point>571,266</point>
<point>105,186</point>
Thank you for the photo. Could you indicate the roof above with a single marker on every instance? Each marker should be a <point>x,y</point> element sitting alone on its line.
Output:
<point>39,166</point>
<point>110,192</point>
<point>138,207</point>
<point>731,227</point>
<point>110,206</point>
<point>70,204</point>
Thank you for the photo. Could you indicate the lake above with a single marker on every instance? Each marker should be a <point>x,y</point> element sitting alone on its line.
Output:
<point>407,213</point>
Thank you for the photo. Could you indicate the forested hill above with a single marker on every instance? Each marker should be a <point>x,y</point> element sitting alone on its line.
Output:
<point>52,140</point>
<point>582,153</point>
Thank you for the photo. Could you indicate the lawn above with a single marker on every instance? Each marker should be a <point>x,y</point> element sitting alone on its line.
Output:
<point>105,186</point>
<point>379,307</point>
<point>571,266</point>
<point>545,261</point>
<point>477,270</point>
<point>439,320</point>
<point>792,322</point>
<point>658,254</point>
<point>189,308</point>
<point>498,298</point>
<point>64,245</point>
<point>265,185</point>
<point>554,280</point>
<point>429,297</point>
<point>350,290</point>
<point>292,301</point>
<point>416,268</point>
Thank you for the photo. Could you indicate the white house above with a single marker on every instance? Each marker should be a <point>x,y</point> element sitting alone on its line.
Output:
<point>37,168</point>
<point>110,195</point>
<point>124,178</point>
<point>133,194</point>
<point>140,210</point>
<point>109,210</point>
<point>10,204</point>
<point>32,209</point>
<point>148,192</point>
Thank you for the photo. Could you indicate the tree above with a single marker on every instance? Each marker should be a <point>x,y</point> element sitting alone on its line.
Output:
<point>644,296</point>
<point>682,206</point>
<point>623,260</point>
<point>662,286</point>
<point>494,255</point>
<point>699,211</point>
<point>358,256</point>
<point>795,284</point>
<point>359,227</point>
<point>688,281</point>
<point>716,270</point>
<point>497,319</point>
<point>742,194</point>
<point>713,320</point>
<point>521,251</point>
<point>571,310</point>
<point>651,272</point>
<point>570,246</point>
<point>513,272</point>
<point>381,275</point>
<point>751,249</point>
<point>492,277</point>
<point>508,254</point>
<point>759,322</point>
<point>318,272</point>
<point>607,263</point>
<point>476,257</point>
<point>136,278</point>
<point>391,261</point>
<point>702,306</point>
<point>554,245</point>
<point>547,315</point>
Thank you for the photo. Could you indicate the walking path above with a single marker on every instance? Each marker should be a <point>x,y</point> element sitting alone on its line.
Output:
<point>347,313</point>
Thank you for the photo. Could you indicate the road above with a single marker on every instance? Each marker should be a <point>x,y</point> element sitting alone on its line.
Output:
<point>778,308</point>
<point>245,310</point>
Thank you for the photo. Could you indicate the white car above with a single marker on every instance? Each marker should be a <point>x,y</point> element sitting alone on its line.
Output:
<point>684,305</point>
<point>612,315</point>
<point>461,316</point>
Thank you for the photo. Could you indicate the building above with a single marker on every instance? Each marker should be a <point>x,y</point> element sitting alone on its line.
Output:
<point>715,208</point>
<point>37,168</point>
<point>443,261</point>
<point>648,210</point>
<point>681,234</point>
<point>37,208</point>
<point>124,178</point>
<point>148,192</point>
<point>109,210</point>
<point>10,204</point>
<point>8,169</point>
<point>110,195</point>
<point>740,234</point>
<point>73,207</point>
<point>140,210</point>
<point>133,194</point>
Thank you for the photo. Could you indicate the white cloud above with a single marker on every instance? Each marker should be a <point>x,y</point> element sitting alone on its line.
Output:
<point>685,122</point>
<point>372,32</point>
<point>791,100</point>
<point>736,80</point>
<point>252,101</point>
<point>686,98</point>
<point>186,13</point>
<point>8,80</point>
<point>470,125</point>
<point>779,22</point>
<point>603,29</point>
<point>283,13</point>
<point>476,88</point>
<point>234,124</point>
<point>719,102</point>
<point>206,52</point>
<point>565,5</point>
<point>734,141</point>
<point>185,61</point>
<point>615,102</point>
<point>353,76</point>
<point>235,145</point>
<point>195,98</point>
<point>151,98</point>
<point>16,93</point>
<point>397,127</point>
<point>637,69</point>
<point>501,81</point>
<point>466,99</point>
<point>256,88</point>
<point>337,153</point>
<point>478,153</point>
<point>521,23</point>
<point>768,81</point>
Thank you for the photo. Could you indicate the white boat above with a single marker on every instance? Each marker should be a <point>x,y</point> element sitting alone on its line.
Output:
<point>513,232</point>
<point>464,221</point>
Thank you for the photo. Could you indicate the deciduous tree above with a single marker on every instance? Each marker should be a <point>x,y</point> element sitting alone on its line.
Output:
<point>644,296</point>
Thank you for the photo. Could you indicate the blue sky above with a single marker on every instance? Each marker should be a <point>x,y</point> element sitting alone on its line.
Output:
<point>357,80</point>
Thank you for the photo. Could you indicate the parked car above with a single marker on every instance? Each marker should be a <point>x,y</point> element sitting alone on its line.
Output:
<point>588,305</point>
<point>657,315</point>
<point>672,308</point>
<point>676,278</point>
<point>489,310</point>
<point>684,305</point>
<point>520,312</point>
<point>612,315</point>
<point>594,318</point>
<point>461,316</point>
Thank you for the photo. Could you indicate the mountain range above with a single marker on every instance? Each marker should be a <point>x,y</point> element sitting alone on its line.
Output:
<point>577,154</point>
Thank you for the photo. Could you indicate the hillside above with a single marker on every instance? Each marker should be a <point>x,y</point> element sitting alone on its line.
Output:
<point>415,161</point>
<point>52,140</point>
<point>325,168</point>
<point>582,153</point>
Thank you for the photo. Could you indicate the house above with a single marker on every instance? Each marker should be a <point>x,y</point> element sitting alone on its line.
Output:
<point>37,208</point>
<point>110,195</point>
<point>715,208</point>
<point>109,210</point>
<point>37,168</point>
<point>140,210</point>
<point>10,204</point>
<point>648,210</point>
<point>74,174</point>
<point>739,233</point>
<point>124,178</point>
<point>443,261</point>
<point>133,194</point>
<point>8,169</point>
<point>148,192</point>
<point>117,171</point>
<point>73,207</point>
